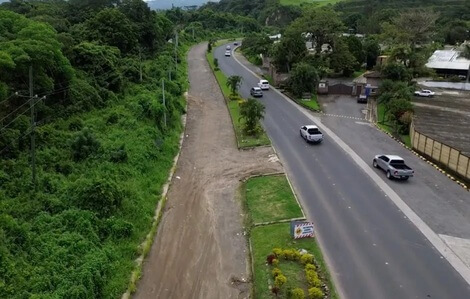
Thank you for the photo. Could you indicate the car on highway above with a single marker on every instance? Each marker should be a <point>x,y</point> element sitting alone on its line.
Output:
<point>227,47</point>
<point>256,92</point>
<point>235,43</point>
<point>228,53</point>
<point>425,93</point>
<point>263,84</point>
<point>311,133</point>
<point>394,166</point>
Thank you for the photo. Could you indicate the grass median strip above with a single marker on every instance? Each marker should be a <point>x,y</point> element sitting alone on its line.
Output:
<point>243,140</point>
<point>270,198</point>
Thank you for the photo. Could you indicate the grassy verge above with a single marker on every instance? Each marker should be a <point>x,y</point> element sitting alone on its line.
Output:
<point>311,104</point>
<point>384,124</point>
<point>243,140</point>
<point>270,198</point>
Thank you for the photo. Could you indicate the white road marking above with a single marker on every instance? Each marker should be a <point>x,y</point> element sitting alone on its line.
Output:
<point>430,235</point>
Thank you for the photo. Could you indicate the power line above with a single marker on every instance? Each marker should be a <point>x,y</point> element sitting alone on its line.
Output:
<point>34,104</point>
<point>16,139</point>
<point>1,120</point>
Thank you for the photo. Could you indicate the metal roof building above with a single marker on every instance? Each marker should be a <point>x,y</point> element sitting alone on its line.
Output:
<point>449,62</point>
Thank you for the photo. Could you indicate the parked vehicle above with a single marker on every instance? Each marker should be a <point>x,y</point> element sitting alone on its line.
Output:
<point>228,53</point>
<point>424,93</point>
<point>263,84</point>
<point>311,133</point>
<point>362,98</point>
<point>394,166</point>
<point>227,47</point>
<point>256,92</point>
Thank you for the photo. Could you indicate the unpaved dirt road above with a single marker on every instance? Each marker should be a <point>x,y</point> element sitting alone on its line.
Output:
<point>200,250</point>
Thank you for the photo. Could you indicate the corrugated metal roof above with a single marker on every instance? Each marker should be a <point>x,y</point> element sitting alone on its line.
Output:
<point>448,59</point>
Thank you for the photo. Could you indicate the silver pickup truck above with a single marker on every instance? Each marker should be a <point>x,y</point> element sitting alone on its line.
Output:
<point>394,166</point>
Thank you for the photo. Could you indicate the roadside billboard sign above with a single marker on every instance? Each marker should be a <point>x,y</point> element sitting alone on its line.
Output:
<point>301,229</point>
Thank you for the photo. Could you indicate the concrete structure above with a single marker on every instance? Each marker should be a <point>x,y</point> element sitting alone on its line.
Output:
<point>369,80</point>
<point>449,63</point>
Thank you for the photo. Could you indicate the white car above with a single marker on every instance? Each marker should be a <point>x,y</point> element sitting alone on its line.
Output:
<point>228,53</point>
<point>311,133</point>
<point>227,47</point>
<point>263,84</point>
<point>424,93</point>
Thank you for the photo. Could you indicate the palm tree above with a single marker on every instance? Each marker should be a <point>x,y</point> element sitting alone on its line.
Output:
<point>234,82</point>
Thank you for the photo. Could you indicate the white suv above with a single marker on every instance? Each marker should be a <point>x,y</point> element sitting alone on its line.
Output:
<point>263,84</point>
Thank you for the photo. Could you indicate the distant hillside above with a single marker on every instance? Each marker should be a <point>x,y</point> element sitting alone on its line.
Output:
<point>167,4</point>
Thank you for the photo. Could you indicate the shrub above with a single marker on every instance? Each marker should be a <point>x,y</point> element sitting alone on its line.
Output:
<point>113,118</point>
<point>276,272</point>
<point>315,293</point>
<point>234,97</point>
<point>275,262</point>
<point>270,259</point>
<point>119,154</point>
<point>312,278</point>
<point>310,267</point>
<point>297,293</point>
<point>306,259</point>
<point>84,145</point>
<point>275,290</point>
<point>288,254</point>
<point>280,280</point>
<point>277,252</point>
<point>117,228</point>
<point>216,63</point>
<point>101,195</point>
<point>76,124</point>
<point>251,112</point>
<point>296,254</point>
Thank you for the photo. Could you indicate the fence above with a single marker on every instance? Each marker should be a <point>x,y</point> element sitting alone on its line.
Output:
<point>441,153</point>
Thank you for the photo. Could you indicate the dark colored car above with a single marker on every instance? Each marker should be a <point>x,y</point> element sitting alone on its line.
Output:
<point>256,92</point>
<point>362,98</point>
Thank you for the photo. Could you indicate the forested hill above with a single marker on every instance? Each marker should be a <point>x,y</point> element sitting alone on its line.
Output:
<point>104,141</point>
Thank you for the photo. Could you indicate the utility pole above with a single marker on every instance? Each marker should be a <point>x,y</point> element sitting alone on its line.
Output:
<point>140,63</point>
<point>33,125</point>
<point>176,52</point>
<point>164,104</point>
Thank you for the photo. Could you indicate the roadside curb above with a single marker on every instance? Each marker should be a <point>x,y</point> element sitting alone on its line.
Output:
<point>146,245</point>
<point>451,177</point>
<point>278,221</point>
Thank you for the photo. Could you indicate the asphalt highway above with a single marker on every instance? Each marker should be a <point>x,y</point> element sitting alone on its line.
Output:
<point>372,249</point>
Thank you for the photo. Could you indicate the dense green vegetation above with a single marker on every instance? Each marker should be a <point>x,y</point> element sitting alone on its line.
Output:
<point>104,141</point>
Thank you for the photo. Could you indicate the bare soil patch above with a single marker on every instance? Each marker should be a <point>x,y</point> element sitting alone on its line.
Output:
<point>200,250</point>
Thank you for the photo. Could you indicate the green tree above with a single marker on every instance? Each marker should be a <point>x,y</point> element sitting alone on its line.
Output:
<point>356,48</point>
<point>251,111</point>
<point>234,82</point>
<point>322,25</point>
<point>341,59</point>
<point>111,27</point>
<point>397,108</point>
<point>371,52</point>
<point>290,50</point>
<point>396,71</point>
<point>303,78</point>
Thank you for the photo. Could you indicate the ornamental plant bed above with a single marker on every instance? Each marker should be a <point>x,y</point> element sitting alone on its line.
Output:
<point>309,283</point>
<point>263,240</point>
